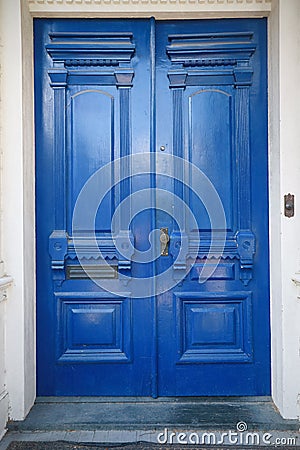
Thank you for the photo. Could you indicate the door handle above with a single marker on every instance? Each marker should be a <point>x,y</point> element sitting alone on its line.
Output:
<point>164,241</point>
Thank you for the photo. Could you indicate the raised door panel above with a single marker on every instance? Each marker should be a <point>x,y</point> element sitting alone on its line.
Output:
<point>209,133</point>
<point>91,118</point>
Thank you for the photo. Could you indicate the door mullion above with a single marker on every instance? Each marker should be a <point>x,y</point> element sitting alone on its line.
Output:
<point>154,384</point>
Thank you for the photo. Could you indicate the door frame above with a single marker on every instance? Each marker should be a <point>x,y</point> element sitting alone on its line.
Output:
<point>18,193</point>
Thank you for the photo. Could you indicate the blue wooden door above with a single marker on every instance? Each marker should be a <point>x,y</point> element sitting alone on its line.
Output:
<point>152,207</point>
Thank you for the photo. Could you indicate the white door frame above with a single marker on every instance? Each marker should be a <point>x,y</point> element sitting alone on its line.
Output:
<point>17,184</point>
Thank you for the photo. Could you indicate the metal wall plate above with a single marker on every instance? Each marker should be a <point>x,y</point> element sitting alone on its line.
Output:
<point>289,205</point>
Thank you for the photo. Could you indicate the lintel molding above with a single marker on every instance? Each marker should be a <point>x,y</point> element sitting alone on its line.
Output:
<point>40,7</point>
<point>213,49</point>
<point>193,55</point>
<point>77,48</point>
<point>88,58</point>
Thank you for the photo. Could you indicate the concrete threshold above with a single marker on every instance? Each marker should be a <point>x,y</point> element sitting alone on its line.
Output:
<point>130,420</point>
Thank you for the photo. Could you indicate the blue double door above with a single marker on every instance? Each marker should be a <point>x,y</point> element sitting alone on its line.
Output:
<point>152,207</point>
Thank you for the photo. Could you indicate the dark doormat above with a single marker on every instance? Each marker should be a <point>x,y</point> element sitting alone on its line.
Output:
<point>139,446</point>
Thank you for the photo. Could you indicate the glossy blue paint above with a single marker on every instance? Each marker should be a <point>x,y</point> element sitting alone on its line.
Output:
<point>93,329</point>
<point>214,328</point>
<point>110,88</point>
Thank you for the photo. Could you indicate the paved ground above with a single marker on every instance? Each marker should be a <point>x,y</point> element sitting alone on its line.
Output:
<point>143,423</point>
<point>64,446</point>
<point>94,413</point>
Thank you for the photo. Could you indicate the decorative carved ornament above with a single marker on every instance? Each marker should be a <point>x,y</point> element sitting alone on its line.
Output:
<point>96,6</point>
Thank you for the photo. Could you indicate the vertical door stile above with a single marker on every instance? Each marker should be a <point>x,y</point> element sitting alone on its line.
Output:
<point>154,375</point>
<point>245,236</point>
<point>178,238</point>
<point>125,148</point>
<point>124,85</point>
<point>58,237</point>
<point>60,160</point>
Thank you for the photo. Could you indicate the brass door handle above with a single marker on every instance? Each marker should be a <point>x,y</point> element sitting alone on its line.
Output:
<point>164,241</point>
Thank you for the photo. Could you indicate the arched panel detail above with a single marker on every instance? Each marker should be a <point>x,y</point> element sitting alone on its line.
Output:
<point>99,91</point>
<point>202,91</point>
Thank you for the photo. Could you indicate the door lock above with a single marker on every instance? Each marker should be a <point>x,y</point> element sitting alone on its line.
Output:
<point>164,241</point>
<point>289,205</point>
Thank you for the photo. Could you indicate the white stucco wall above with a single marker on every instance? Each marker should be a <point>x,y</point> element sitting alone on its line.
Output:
<point>17,323</point>
<point>17,178</point>
<point>284,171</point>
<point>289,120</point>
<point>5,281</point>
<point>3,391</point>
